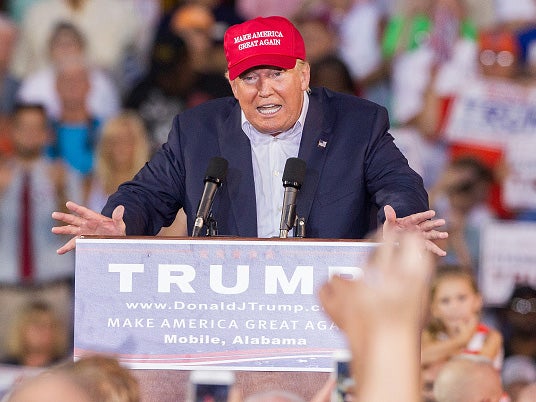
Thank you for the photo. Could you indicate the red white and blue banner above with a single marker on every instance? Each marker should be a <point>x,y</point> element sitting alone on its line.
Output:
<point>492,112</point>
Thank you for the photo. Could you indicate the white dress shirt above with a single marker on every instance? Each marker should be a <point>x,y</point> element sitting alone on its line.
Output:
<point>269,155</point>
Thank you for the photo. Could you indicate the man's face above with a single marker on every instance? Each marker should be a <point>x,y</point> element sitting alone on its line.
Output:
<point>270,97</point>
<point>73,85</point>
<point>29,132</point>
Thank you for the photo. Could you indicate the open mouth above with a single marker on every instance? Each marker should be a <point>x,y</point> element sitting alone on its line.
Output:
<point>269,109</point>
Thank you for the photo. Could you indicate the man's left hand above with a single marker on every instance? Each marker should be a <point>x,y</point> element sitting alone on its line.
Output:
<point>420,222</point>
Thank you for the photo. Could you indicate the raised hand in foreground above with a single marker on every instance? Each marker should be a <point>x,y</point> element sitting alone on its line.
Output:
<point>381,314</point>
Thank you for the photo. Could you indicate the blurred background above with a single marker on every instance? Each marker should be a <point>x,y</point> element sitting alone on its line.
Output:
<point>89,88</point>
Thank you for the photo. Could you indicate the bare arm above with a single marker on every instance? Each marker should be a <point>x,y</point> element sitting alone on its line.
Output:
<point>492,345</point>
<point>388,300</point>
<point>434,350</point>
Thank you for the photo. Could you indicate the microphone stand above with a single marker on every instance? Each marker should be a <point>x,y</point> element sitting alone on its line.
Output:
<point>299,228</point>
<point>212,226</point>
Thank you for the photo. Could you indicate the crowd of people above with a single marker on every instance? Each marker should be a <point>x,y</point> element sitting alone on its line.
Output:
<point>88,94</point>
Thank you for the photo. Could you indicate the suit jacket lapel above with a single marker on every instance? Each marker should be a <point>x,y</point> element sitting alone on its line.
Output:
<point>235,147</point>
<point>313,149</point>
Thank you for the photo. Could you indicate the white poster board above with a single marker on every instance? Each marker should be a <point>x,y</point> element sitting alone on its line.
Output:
<point>216,303</point>
<point>492,113</point>
<point>508,256</point>
<point>519,190</point>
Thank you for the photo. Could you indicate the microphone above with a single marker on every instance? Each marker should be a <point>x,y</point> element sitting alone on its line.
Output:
<point>292,181</point>
<point>216,172</point>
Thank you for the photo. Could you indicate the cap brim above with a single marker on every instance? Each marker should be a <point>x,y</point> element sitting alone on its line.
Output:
<point>276,60</point>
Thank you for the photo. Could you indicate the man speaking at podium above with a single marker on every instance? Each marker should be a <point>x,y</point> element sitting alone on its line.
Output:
<point>352,166</point>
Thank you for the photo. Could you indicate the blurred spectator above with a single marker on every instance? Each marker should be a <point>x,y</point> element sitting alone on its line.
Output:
<point>435,24</point>
<point>97,378</point>
<point>359,25</point>
<point>225,14</point>
<point>331,72</point>
<point>171,86</point>
<point>274,396</point>
<point>249,9</point>
<point>517,372</point>
<point>461,196</point>
<point>104,378</point>
<point>136,63</point>
<point>76,131</point>
<point>417,151</point>
<point>195,23</point>
<point>320,39</point>
<point>518,322</point>
<point>31,186</point>
<point>50,387</point>
<point>419,38</point>
<point>8,36</point>
<point>454,326</point>
<point>8,84</point>
<point>67,43</point>
<point>351,30</point>
<point>17,8</point>
<point>37,337</point>
<point>467,379</point>
<point>122,150</point>
<point>111,28</point>
<point>31,183</point>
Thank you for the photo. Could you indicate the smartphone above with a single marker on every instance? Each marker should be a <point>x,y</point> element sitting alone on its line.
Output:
<point>210,385</point>
<point>345,384</point>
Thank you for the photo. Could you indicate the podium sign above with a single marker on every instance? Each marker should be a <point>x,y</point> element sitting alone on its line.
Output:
<point>186,303</point>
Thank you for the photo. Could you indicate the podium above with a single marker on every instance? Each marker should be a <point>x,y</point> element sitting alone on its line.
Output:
<point>165,306</point>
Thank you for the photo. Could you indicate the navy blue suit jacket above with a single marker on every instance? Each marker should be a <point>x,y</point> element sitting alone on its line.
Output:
<point>359,170</point>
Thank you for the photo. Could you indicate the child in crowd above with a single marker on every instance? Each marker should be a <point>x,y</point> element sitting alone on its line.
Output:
<point>454,325</point>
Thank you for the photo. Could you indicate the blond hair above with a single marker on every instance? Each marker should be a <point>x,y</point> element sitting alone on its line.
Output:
<point>16,343</point>
<point>105,378</point>
<point>104,168</point>
<point>300,65</point>
<point>442,274</point>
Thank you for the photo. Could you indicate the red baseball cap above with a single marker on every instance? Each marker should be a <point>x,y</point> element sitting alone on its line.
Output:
<point>262,41</point>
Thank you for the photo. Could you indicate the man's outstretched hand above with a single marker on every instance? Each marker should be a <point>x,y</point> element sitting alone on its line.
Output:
<point>84,221</point>
<point>420,222</point>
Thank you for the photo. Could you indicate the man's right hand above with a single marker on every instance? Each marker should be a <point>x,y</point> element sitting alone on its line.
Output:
<point>84,221</point>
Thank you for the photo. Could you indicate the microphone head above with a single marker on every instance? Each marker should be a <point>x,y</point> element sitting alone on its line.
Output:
<point>216,170</point>
<point>294,173</point>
